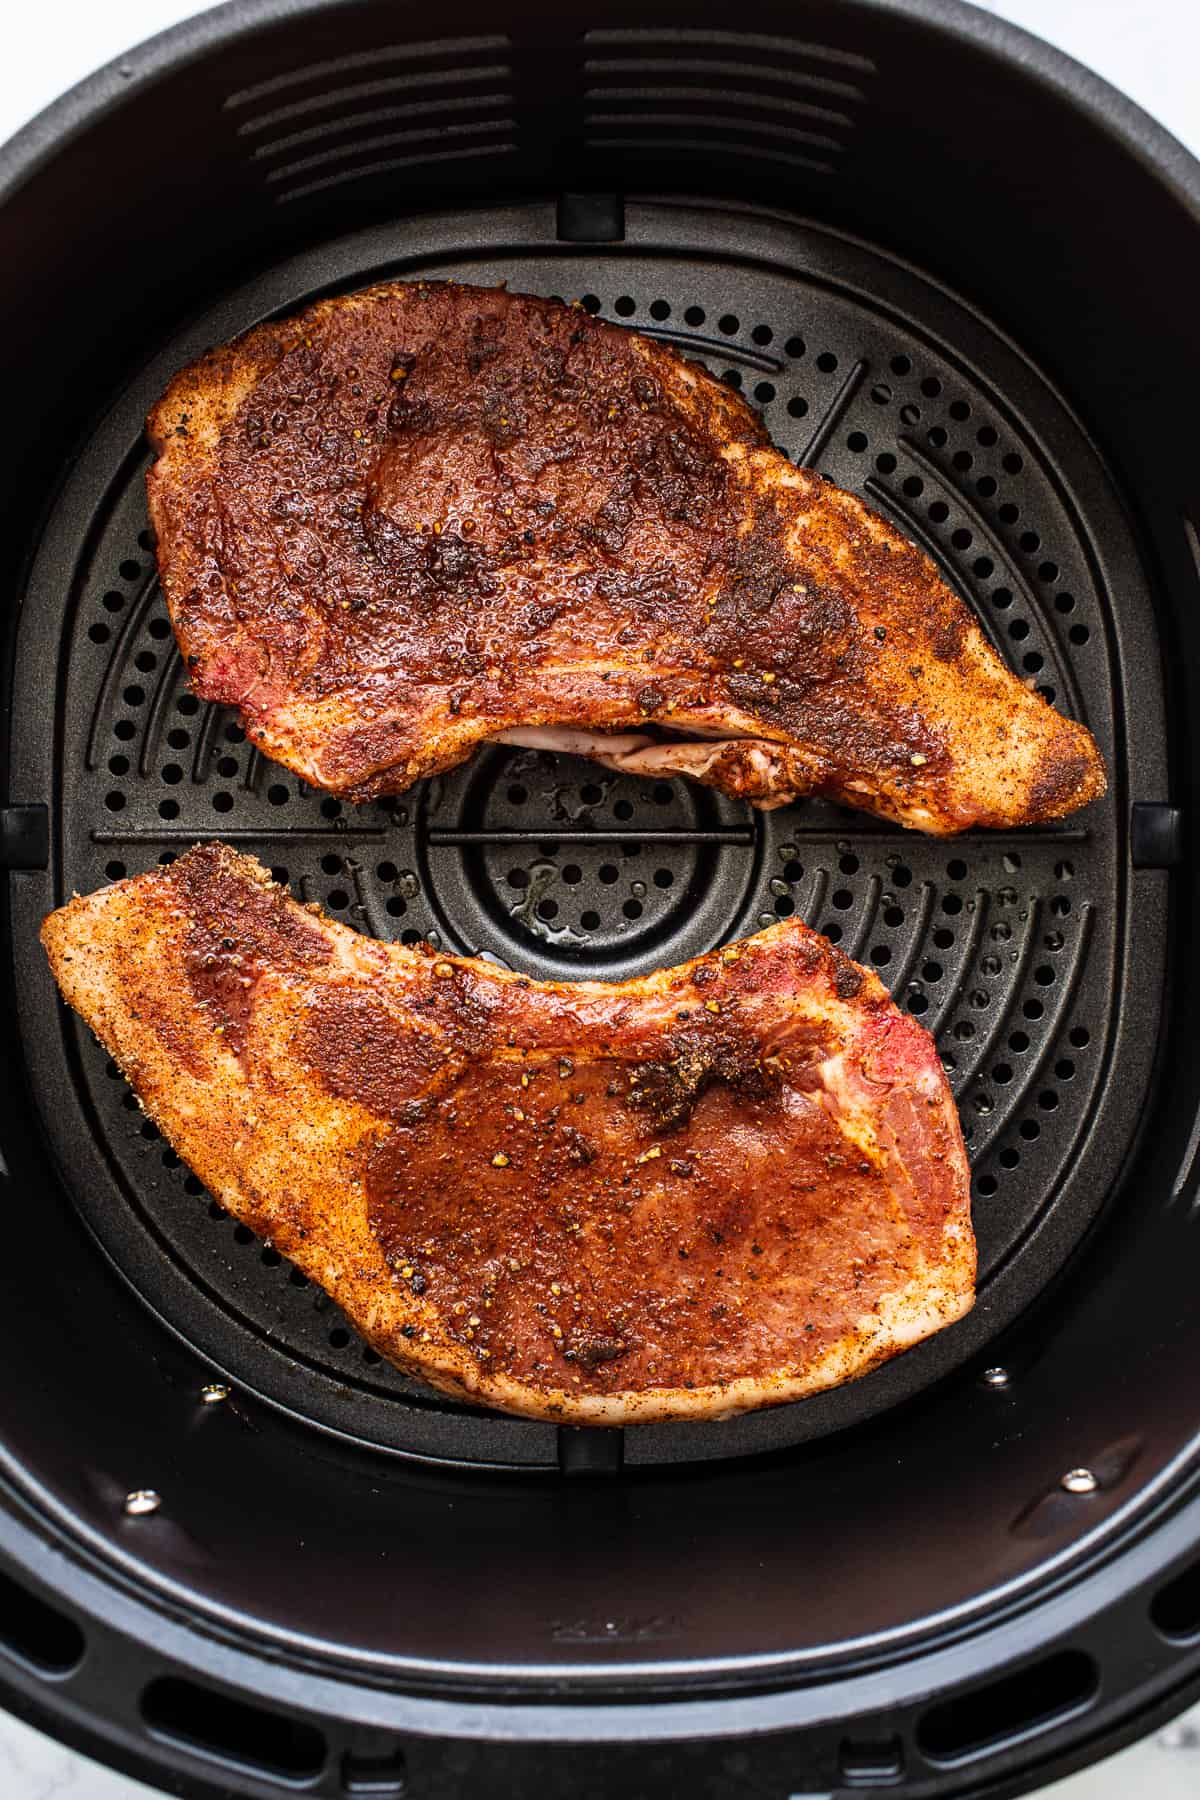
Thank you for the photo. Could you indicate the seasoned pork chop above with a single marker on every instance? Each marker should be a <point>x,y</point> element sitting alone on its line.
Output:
<point>423,517</point>
<point>714,1188</point>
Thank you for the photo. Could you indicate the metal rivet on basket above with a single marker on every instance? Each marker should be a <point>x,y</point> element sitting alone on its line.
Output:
<point>142,1501</point>
<point>995,1377</point>
<point>1080,1481</point>
<point>213,1392</point>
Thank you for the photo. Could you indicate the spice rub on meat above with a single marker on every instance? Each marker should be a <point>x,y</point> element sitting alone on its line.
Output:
<point>713,1188</point>
<point>427,516</point>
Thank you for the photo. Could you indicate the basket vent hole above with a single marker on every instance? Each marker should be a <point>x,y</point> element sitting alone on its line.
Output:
<point>36,1633</point>
<point>232,1731</point>
<point>1175,1609</point>
<point>1014,1707</point>
<point>381,1773</point>
<point>871,1762</point>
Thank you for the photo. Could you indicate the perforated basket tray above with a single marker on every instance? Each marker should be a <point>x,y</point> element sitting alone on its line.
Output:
<point>1014,950</point>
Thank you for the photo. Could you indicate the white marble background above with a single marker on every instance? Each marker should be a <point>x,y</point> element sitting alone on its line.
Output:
<point>1151,48</point>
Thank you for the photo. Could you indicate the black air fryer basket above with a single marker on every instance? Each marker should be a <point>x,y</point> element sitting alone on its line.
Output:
<point>238,1553</point>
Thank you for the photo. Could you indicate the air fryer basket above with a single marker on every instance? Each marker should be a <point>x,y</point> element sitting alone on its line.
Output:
<point>957,274</point>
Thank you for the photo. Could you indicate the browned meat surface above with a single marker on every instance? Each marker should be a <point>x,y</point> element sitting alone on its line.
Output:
<point>425,516</point>
<point>717,1187</point>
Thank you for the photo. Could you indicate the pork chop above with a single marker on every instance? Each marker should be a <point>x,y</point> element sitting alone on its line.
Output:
<point>427,516</point>
<point>713,1188</point>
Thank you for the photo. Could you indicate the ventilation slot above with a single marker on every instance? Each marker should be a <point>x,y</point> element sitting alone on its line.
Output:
<point>758,96</point>
<point>443,139</point>
<point>232,1731</point>
<point>1037,1696</point>
<point>380,1774</point>
<point>873,1762</point>
<point>341,121</point>
<point>328,83</point>
<point>1175,1610</point>
<point>38,1634</point>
